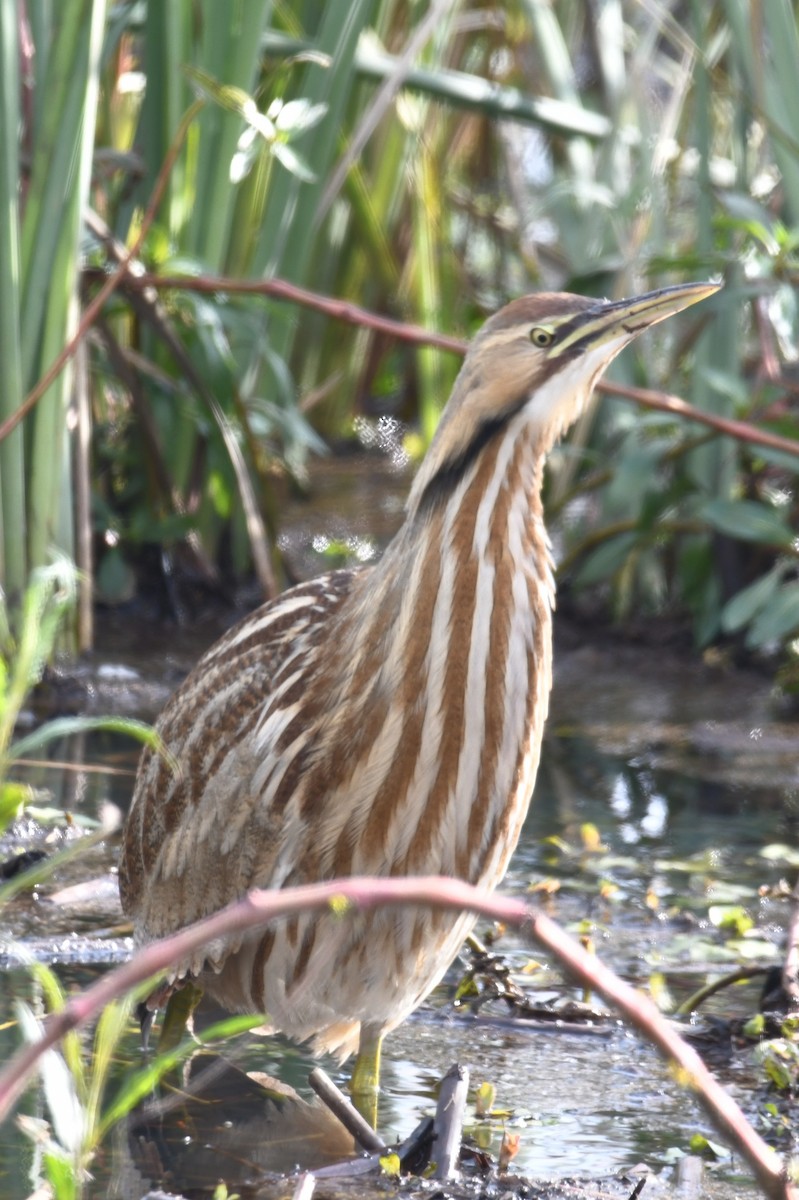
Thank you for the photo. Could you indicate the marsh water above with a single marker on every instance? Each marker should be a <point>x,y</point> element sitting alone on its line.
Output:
<point>668,796</point>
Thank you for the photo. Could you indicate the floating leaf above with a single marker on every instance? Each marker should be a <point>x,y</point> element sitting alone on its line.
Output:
<point>778,1073</point>
<point>591,838</point>
<point>390,1165</point>
<point>484,1099</point>
<point>659,991</point>
<point>731,918</point>
<point>780,852</point>
<point>755,949</point>
<point>754,1027</point>
<point>699,1144</point>
<point>545,887</point>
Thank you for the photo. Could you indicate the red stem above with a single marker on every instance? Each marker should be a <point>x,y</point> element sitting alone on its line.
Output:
<point>261,907</point>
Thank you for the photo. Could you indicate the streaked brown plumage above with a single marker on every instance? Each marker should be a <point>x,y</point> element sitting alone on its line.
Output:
<point>382,721</point>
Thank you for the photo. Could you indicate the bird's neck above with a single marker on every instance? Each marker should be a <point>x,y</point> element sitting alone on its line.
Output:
<point>438,667</point>
<point>486,514</point>
<point>457,621</point>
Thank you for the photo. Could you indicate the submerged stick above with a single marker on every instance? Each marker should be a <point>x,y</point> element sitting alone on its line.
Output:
<point>305,1187</point>
<point>346,1112</point>
<point>449,1120</point>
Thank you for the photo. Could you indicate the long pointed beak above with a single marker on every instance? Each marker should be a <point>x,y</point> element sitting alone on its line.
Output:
<point>606,321</point>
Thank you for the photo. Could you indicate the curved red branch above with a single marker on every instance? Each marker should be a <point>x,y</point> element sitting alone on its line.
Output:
<point>261,907</point>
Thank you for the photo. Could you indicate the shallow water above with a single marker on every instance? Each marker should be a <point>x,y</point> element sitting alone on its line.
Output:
<point>691,781</point>
<point>584,1105</point>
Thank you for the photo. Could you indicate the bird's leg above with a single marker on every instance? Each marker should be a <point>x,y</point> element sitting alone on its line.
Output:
<point>365,1080</point>
<point>177,1015</point>
<point>146,1016</point>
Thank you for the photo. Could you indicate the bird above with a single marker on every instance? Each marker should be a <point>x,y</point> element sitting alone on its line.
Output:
<point>385,720</point>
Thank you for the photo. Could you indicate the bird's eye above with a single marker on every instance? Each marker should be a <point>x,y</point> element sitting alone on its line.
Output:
<point>541,337</point>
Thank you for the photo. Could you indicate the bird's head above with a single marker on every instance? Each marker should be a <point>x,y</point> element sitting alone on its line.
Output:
<point>540,355</point>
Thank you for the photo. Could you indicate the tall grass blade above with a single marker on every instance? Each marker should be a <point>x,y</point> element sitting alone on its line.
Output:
<point>76,56</point>
<point>13,515</point>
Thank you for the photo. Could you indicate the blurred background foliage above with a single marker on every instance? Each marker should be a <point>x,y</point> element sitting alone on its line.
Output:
<point>427,160</point>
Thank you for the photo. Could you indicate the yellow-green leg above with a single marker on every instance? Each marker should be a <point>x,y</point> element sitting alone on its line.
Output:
<point>177,1016</point>
<point>365,1080</point>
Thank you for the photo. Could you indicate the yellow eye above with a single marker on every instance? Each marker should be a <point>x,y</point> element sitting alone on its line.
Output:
<point>541,337</point>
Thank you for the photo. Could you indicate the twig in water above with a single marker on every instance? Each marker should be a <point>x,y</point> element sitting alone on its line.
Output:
<point>351,1167</point>
<point>449,1120</point>
<point>305,1187</point>
<point>346,1112</point>
<point>417,1143</point>
<point>688,1176</point>
<point>710,989</point>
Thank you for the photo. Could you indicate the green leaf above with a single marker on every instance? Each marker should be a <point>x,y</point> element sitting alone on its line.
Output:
<point>747,519</point>
<point>607,559</point>
<point>744,605</point>
<point>484,1099</point>
<point>778,1073</point>
<point>116,580</point>
<point>462,90</point>
<point>754,1027</point>
<point>730,917</point>
<point>66,1111</point>
<point>62,1174</point>
<point>68,726</point>
<point>143,1081</point>
<point>778,618</point>
<point>390,1165</point>
<point>13,798</point>
<point>699,1144</point>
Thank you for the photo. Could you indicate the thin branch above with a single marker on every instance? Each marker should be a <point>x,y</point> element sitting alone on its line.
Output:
<point>342,1107</point>
<point>281,289</point>
<point>259,908</point>
<point>718,985</point>
<point>664,402</point>
<point>353,314</point>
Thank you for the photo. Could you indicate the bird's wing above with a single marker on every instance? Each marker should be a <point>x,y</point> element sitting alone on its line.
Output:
<point>200,832</point>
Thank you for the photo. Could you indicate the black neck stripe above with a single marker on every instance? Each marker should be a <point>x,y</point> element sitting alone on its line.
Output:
<point>450,473</point>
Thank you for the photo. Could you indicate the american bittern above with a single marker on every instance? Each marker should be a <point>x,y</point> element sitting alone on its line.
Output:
<point>383,721</point>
